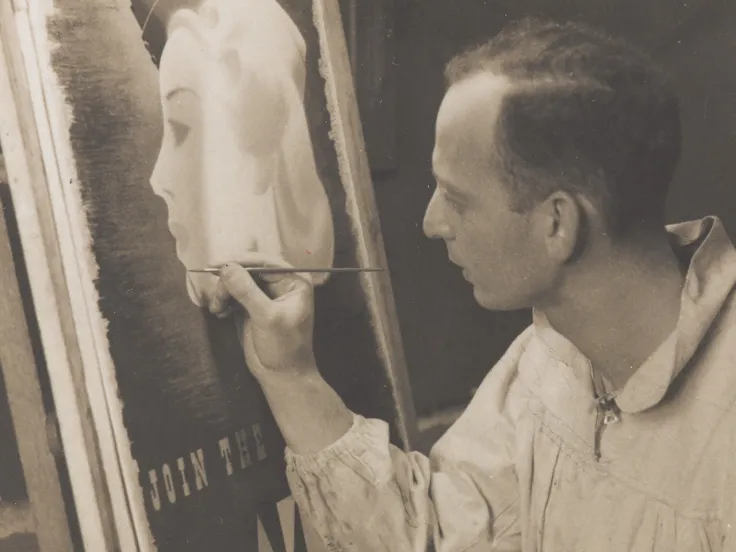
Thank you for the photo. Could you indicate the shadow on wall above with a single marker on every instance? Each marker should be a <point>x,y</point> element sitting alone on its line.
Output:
<point>701,61</point>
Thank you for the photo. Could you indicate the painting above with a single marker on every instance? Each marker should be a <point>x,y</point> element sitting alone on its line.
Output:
<point>236,166</point>
<point>184,134</point>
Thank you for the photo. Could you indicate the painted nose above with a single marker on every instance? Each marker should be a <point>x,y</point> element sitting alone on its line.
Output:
<point>434,224</point>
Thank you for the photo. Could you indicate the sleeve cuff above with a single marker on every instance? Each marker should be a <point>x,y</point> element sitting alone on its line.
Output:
<point>364,449</point>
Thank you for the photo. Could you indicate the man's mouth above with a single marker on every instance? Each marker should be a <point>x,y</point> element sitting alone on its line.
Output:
<point>465,272</point>
<point>453,261</point>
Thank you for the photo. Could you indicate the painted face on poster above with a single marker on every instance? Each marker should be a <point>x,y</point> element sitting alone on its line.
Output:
<point>236,167</point>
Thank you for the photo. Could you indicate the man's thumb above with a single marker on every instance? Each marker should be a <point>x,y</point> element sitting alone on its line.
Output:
<point>242,287</point>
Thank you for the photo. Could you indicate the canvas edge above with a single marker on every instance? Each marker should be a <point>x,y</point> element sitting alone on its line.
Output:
<point>355,175</point>
<point>80,264</point>
<point>70,242</point>
<point>20,161</point>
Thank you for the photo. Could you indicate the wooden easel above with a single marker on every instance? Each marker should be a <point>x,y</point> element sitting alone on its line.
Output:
<point>28,169</point>
<point>35,137</point>
<point>41,519</point>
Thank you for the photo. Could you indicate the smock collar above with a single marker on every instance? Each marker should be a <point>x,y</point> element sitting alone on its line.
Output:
<point>710,278</point>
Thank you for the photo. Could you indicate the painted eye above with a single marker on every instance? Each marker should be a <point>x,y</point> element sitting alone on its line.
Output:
<point>180,131</point>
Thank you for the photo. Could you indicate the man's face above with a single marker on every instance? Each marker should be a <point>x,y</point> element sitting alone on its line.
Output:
<point>502,252</point>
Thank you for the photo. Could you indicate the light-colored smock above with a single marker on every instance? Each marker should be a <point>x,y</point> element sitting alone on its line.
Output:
<point>532,465</point>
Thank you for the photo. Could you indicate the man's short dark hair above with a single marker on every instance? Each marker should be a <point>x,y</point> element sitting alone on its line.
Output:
<point>586,113</point>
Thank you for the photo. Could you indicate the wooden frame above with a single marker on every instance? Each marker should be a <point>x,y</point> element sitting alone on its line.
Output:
<point>41,163</point>
<point>356,176</point>
<point>32,166</point>
<point>42,516</point>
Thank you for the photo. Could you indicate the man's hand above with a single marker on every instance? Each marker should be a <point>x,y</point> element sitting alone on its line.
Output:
<point>277,339</point>
<point>278,323</point>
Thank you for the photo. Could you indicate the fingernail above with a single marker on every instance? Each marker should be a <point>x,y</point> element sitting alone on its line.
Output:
<point>229,267</point>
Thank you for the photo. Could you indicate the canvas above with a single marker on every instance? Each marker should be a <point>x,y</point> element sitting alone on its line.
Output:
<point>197,451</point>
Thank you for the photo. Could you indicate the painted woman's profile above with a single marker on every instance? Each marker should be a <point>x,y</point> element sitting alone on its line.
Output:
<point>236,166</point>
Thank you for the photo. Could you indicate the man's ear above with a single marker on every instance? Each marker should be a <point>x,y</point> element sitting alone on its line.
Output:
<point>564,226</point>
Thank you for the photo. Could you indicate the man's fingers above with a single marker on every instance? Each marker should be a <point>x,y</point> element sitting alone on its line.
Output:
<point>258,258</point>
<point>278,284</point>
<point>283,284</point>
<point>240,285</point>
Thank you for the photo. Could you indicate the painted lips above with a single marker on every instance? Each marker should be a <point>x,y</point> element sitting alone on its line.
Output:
<point>181,235</point>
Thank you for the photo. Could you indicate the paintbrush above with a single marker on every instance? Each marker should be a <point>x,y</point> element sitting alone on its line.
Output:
<point>277,270</point>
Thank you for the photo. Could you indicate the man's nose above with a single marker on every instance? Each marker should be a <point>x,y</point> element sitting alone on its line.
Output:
<point>434,224</point>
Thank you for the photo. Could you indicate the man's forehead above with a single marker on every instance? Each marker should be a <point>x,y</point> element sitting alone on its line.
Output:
<point>472,103</point>
<point>466,120</point>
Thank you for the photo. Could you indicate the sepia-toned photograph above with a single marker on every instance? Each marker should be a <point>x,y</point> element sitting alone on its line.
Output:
<point>367,275</point>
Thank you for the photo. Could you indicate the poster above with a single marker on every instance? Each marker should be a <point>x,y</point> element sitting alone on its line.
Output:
<point>187,415</point>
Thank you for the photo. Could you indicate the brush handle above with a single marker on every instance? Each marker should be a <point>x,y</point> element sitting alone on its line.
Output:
<point>274,270</point>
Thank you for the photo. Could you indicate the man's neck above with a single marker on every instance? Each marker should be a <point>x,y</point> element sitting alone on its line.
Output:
<point>618,310</point>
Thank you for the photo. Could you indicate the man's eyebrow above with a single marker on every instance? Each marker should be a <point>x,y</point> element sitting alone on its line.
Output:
<point>447,184</point>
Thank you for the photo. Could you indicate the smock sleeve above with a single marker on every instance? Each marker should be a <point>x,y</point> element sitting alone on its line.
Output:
<point>364,494</point>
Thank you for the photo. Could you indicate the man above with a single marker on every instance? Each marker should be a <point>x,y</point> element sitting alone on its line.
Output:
<point>609,423</point>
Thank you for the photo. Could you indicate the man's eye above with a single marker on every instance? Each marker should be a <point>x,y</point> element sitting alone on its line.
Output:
<point>180,131</point>
<point>452,202</point>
